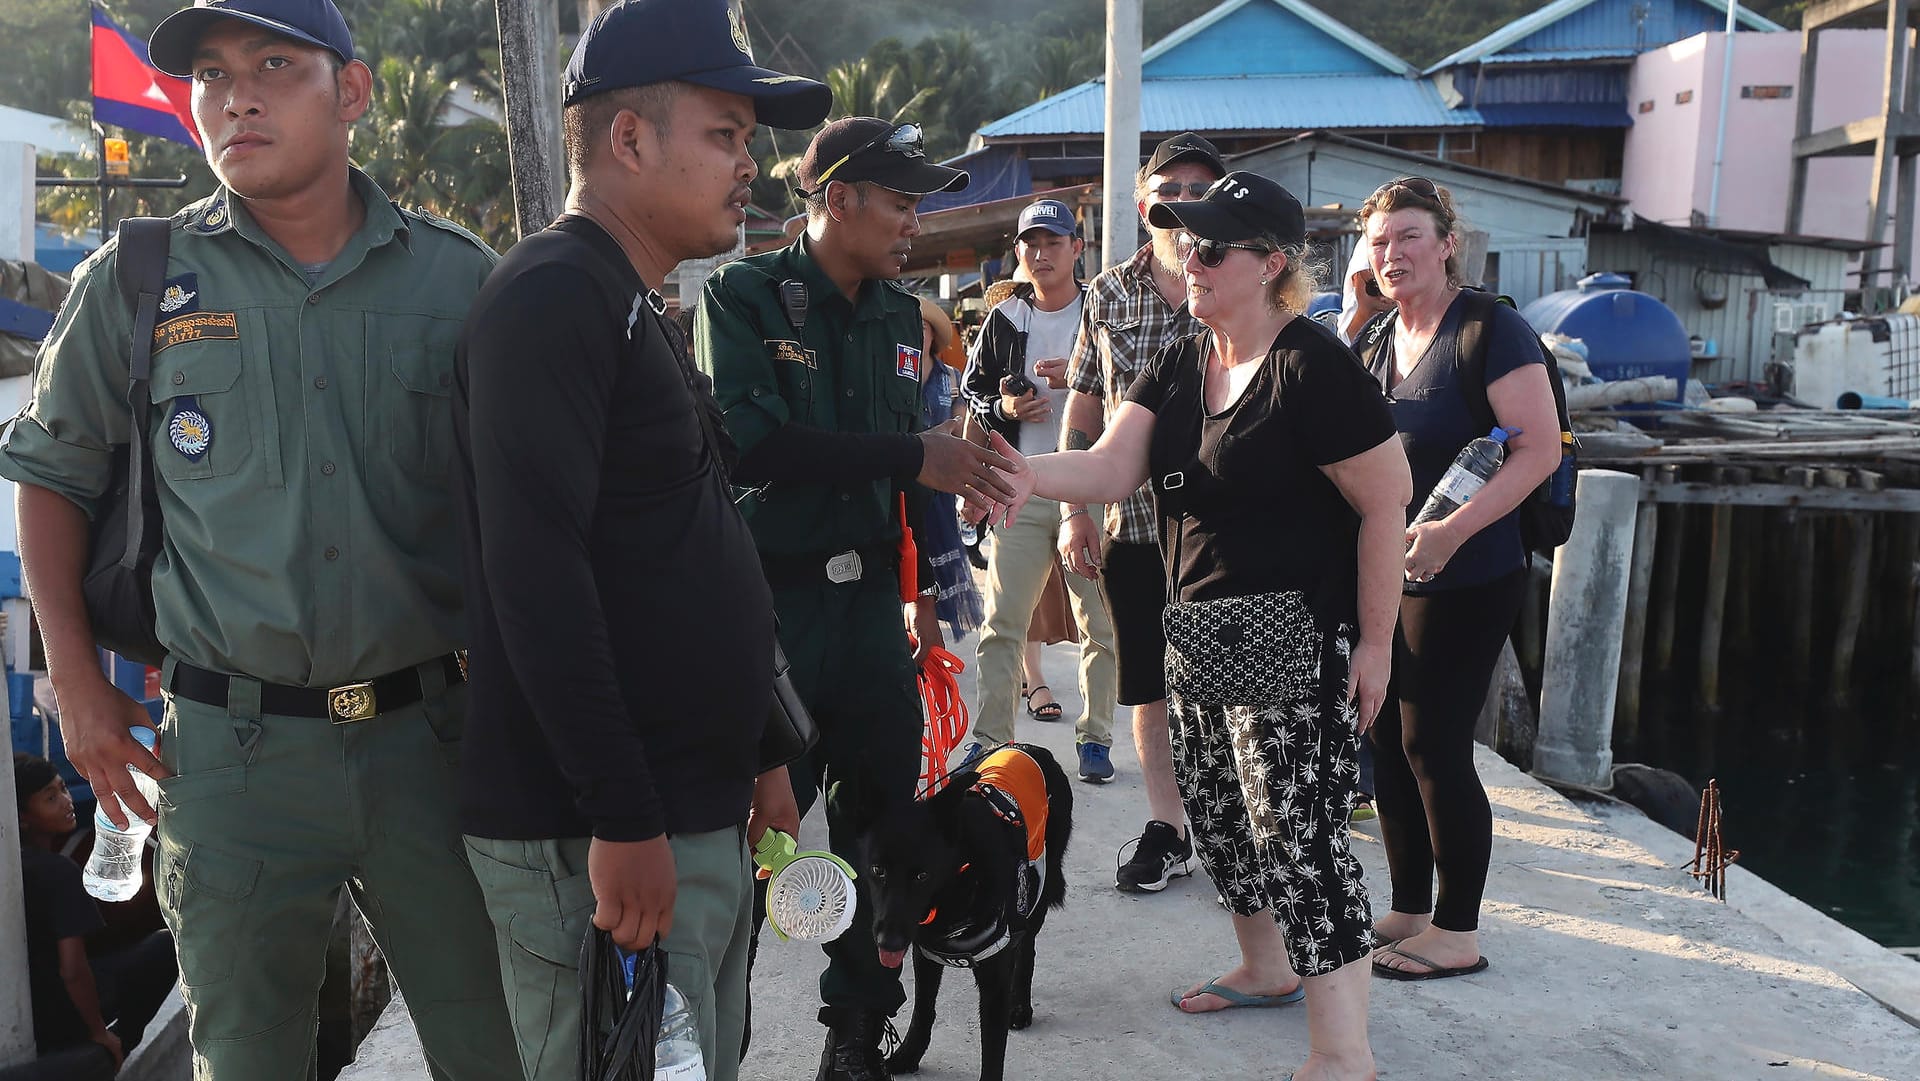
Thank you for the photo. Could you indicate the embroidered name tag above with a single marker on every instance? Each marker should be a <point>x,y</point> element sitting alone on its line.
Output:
<point>791,351</point>
<point>194,327</point>
<point>906,362</point>
<point>188,429</point>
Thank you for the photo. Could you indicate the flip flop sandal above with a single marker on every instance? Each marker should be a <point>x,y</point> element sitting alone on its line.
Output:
<point>1433,972</point>
<point>1237,1000</point>
<point>1051,711</point>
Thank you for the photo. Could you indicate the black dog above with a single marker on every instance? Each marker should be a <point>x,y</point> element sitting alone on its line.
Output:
<point>953,876</point>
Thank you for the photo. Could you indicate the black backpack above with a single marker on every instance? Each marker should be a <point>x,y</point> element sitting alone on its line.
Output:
<point>124,538</point>
<point>1546,520</point>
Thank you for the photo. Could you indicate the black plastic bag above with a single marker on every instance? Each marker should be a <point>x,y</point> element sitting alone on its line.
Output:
<point>618,1029</point>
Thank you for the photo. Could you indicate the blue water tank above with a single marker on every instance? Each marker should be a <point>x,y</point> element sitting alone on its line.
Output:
<point>1628,334</point>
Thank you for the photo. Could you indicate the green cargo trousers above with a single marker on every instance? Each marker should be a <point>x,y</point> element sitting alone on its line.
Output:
<point>850,664</point>
<point>266,819</point>
<point>542,906</point>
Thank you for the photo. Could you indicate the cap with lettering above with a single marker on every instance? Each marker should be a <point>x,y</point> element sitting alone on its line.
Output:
<point>703,42</point>
<point>1239,206</point>
<point>867,148</point>
<point>1185,146</point>
<point>1050,214</point>
<point>314,22</point>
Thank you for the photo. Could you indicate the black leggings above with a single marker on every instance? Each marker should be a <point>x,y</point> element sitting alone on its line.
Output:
<point>1434,814</point>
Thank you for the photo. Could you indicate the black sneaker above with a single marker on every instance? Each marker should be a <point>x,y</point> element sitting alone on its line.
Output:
<point>1159,853</point>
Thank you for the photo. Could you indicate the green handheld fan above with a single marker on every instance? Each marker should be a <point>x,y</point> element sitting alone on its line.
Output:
<point>809,894</point>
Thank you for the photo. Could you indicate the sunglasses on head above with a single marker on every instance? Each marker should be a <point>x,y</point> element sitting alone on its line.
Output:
<point>1211,252</point>
<point>1419,185</point>
<point>1171,190</point>
<point>906,139</point>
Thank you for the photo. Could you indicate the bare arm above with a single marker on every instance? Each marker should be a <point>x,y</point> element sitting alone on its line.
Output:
<point>94,715</point>
<point>1375,483</point>
<point>77,975</point>
<point>1113,469</point>
<point>1522,399</point>
<point>1079,540</point>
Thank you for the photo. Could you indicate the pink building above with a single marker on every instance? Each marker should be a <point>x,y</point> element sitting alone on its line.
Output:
<point>1674,96</point>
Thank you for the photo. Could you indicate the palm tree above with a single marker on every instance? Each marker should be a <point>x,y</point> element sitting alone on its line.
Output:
<point>1057,63</point>
<point>457,171</point>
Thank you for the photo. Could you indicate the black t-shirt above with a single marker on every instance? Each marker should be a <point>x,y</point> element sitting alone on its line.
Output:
<point>58,907</point>
<point>1260,516</point>
<point>621,626</point>
<point>1431,410</point>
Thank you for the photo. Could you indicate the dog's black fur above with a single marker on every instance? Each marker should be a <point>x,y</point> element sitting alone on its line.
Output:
<point>912,856</point>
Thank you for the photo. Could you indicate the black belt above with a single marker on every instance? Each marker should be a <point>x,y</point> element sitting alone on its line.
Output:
<point>787,569</point>
<point>343,704</point>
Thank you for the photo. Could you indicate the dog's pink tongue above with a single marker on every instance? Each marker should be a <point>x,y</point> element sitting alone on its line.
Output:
<point>892,958</point>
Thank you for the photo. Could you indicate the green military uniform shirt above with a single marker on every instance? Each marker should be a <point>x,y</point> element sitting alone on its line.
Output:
<point>301,438</point>
<point>854,367</point>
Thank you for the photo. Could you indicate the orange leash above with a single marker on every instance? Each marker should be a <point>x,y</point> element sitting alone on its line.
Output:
<point>946,715</point>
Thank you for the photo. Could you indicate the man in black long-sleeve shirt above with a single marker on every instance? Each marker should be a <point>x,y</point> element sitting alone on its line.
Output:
<point>622,638</point>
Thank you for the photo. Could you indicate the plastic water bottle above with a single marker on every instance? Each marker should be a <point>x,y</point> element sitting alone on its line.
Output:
<point>113,871</point>
<point>676,1056</point>
<point>1477,462</point>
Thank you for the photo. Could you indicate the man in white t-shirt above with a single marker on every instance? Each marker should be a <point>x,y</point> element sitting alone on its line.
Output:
<point>1016,384</point>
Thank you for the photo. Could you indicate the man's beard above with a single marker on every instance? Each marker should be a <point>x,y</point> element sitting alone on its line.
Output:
<point>1165,253</point>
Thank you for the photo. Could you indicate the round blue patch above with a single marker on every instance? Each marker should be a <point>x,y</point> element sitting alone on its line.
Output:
<point>189,430</point>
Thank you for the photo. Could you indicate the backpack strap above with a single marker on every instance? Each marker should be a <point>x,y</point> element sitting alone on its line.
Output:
<point>140,270</point>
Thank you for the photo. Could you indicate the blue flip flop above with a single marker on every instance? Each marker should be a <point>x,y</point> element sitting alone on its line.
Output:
<point>1238,999</point>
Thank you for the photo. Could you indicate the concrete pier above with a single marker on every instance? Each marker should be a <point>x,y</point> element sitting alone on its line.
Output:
<point>1607,965</point>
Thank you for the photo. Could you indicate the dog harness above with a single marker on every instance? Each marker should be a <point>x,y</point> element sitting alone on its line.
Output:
<point>1013,787</point>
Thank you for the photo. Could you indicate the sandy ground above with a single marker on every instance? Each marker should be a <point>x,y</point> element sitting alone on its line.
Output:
<point>1607,963</point>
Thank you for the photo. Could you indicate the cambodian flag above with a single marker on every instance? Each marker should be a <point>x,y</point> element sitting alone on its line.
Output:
<point>131,93</point>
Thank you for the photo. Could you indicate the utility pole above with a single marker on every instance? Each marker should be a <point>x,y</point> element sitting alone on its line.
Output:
<point>1117,225</point>
<point>530,70</point>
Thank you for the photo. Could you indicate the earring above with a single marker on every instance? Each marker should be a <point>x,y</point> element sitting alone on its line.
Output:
<point>1263,281</point>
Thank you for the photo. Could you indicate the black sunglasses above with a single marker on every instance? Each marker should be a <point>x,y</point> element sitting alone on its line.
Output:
<point>1211,253</point>
<point>1172,188</point>
<point>1419,185</point>
<point>907,140</point>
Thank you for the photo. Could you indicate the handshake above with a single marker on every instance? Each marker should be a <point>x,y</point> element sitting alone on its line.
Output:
<point>994,481</point>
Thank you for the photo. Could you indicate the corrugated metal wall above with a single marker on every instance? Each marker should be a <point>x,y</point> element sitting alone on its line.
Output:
<point>1743,329</point>
<point>1641,24</point>
<point>1262,39</point>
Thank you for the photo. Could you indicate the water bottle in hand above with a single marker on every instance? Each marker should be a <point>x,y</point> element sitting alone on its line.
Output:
<point>676,1056</point>
<point>1476,464</point>
<point>113,871</point>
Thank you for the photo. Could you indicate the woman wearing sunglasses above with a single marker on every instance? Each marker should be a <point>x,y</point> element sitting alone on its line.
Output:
<point>1464,574</point>
<point>1281,494</point>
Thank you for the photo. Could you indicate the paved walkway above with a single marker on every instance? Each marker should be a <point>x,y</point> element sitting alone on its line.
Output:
<point>1607,963</point>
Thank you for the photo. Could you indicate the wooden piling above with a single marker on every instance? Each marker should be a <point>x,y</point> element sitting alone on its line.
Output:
<point>1800,566</point>
<point>1633,644</point>
<point>1855,576</point>
<point>1666,576</point>
<point>1713,611</point>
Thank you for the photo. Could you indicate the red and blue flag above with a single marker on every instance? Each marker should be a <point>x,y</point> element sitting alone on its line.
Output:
<point>131,93</point>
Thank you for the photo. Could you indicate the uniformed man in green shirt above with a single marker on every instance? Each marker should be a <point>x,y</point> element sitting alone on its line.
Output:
<point>308,587</point>
<point>815,356</point>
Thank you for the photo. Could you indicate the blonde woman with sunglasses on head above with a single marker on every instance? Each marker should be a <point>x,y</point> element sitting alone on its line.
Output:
<point>1280,491</point>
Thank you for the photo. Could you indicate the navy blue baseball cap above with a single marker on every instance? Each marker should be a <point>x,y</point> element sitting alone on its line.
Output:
<point>315,22</point>
<point>703,42</point>
<point>1050,214</point>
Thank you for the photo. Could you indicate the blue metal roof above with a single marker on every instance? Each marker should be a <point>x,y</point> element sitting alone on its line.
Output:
<point>1249,103</point>
<point>1548,56</point>
<point>1560,114</point>
<point>1572,26</point>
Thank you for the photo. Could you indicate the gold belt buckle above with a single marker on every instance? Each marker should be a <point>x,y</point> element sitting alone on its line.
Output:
<point>352,702</point>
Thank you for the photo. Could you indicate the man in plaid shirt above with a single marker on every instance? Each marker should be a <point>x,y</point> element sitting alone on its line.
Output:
<point>1132,311</point>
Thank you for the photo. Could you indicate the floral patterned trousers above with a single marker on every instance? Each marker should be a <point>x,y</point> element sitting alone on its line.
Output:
<point>1267,790</point>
